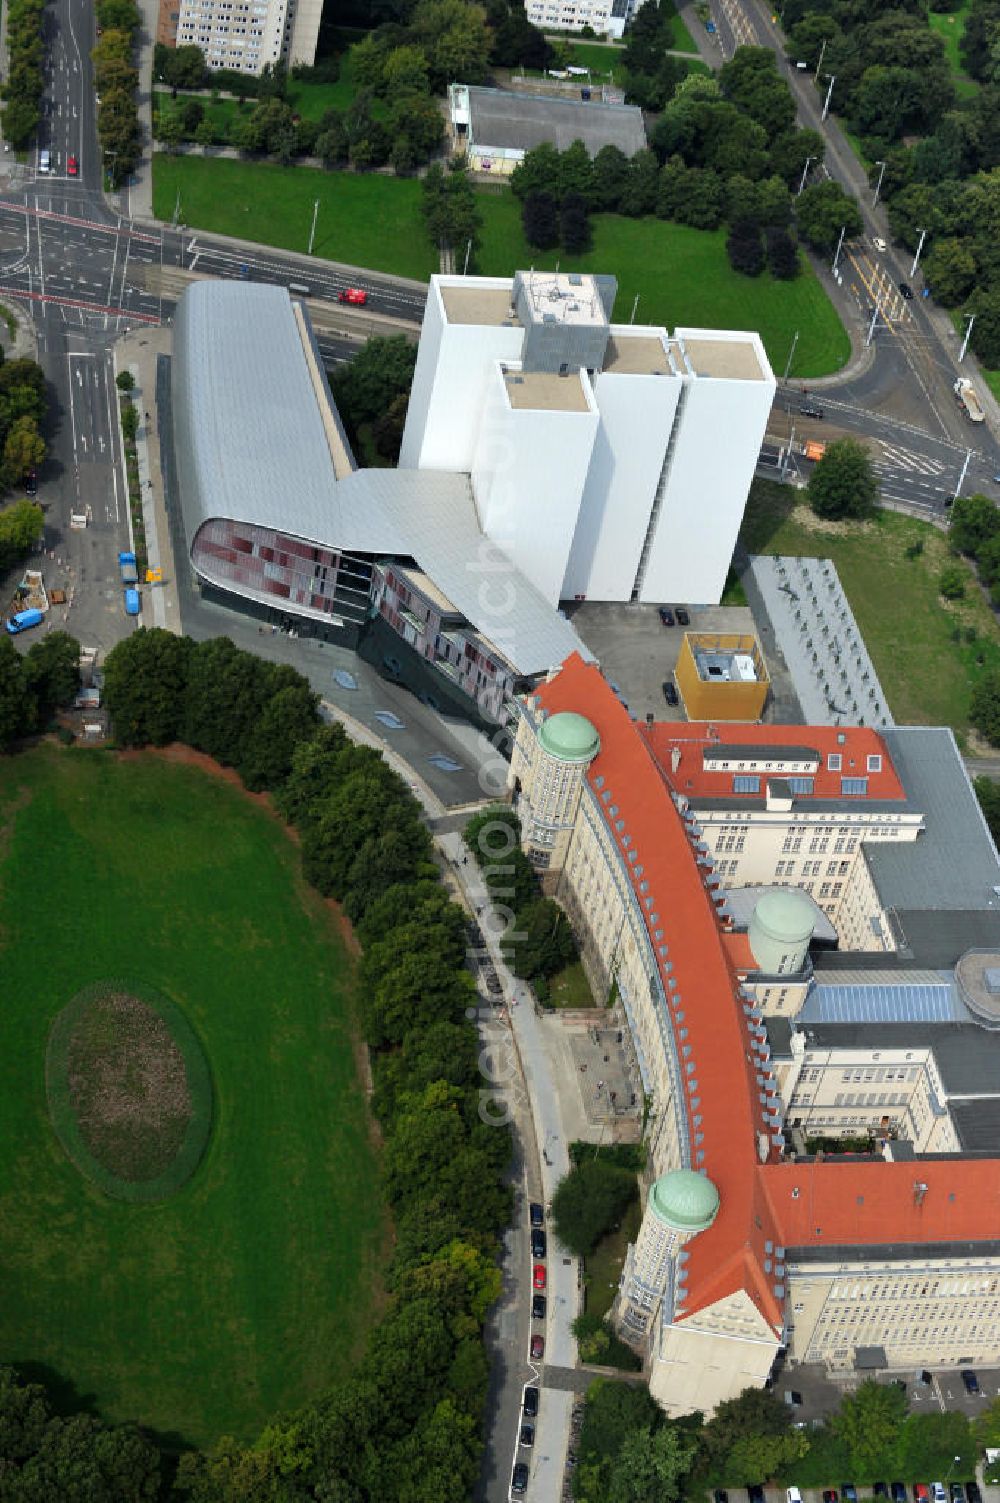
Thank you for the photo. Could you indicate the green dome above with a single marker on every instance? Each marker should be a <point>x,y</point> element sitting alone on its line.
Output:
<point>569,737</point>
<point>685,1201</point>
<point>785,914</point>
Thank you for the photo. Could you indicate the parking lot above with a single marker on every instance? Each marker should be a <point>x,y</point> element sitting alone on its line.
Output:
<point>638,653</point>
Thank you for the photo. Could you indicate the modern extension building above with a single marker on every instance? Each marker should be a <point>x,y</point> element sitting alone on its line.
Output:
<point>281,522</point>
<point>244,35</point>
<point>595,450</point>
<point>751,1243</point>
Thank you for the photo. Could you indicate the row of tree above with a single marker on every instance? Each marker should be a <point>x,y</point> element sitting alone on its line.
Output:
<point>538,940</point>
<point>117,80</point>
<point>36,684</point>
<point>407,1424</point>
<point>941,178</point>
<point>373,393</point>
<point>24,405</point>
<point>22,91</point>
<point>723,151</point>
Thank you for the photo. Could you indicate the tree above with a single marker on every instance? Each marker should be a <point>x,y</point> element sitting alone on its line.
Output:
<point>751,1436</point>
<point>950,269</point>
<point>448,204</point>
<point>540,221</point>
<point>387,429</point>
<point>130,421</point>
<point>751,80</point>
<point>984,706</point>
<point>23,450</point>
<point>843,484</point>
<point>951,581</point>
<point>986,1425</point>
<point>21,528</point>
<point>790,152</point>
<point>545,940</point>
<point>614,1410</point>
<point>125,381</point>
<point>869,1422</point>
<point>822,211</point>
<point>590,1202</point>
<point>640,192</point>
<point>610,174</point>
<point>782,254</point>
<point>52,670</point>
<point>700,201</point>
<point>455,38</point>
<point>974,522</point>
<point>145,682</point>
<point>380,372</point>
<point>651,1466</point>
<point>745,248</point>
<point>16,704</point>
<point>538,171</point>
<point>574,224</point>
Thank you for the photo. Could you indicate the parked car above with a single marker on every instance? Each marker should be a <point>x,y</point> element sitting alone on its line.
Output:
<point>538,1243</point>
<point>538,1276</point>
<point>720,1495</point>
<point>538,1307</point>
<point>536,1214</point>
<point>792,1495</point>
<point>666,615</point>
<point>355,295</point>
<point>897,1492</point>
<point>131,602</point>
<point>683,619</point>
<point>809,409</point>
<point>669,692</point>
<point>957,1493</point>
<point>938,1492</point>
<point>970,1380</point>
<point>881,1489</point>
<point>830,1495</point>
<point>921,1492</point>
<point>527,1436</point>
<point>906,292</point>
<point>530,1403</point>
<point>519,1479</point>
<point>31,484</point>
<point>849,1492</point>
<point>710,28</point>
<point>538,1351</point>
<point>972,1493</point>
<point>755,1493</point>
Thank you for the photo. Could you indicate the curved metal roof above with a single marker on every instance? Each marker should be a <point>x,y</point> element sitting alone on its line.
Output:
<point>250,446</point>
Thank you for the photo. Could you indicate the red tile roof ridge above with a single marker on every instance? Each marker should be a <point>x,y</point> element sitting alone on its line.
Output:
<point>724,1113</point>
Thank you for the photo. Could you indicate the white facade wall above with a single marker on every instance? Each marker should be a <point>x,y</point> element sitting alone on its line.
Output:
<point>637,414</point>
<point>528,473</point>
<point>717,444</point>
<point>455,363</point>
<point>305,32</point>
<point>247,34</point>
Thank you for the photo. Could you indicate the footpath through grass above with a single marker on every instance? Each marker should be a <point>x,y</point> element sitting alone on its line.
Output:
<point>252,1288</point>
<point>909,629</point>
<point>950,29</point>
<point>680,275</point>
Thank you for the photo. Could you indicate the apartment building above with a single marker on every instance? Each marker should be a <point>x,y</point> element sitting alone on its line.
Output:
<point>812,1255</point>
<point>244,35</point>
<point>592,447</point>
<point>607,17</point>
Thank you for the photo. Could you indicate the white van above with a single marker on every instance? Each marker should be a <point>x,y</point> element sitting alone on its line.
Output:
<point>793,1495</point>
<point>44,161</point>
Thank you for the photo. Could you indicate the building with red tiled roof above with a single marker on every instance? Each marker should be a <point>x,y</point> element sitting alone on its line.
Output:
<point>809,1255</point>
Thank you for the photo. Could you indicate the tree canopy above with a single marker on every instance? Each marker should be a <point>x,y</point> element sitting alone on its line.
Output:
<point>843,483</point>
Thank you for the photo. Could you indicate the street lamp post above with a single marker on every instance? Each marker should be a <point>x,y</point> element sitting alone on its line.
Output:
<point>805,174</point>
<point>635,306</point>
<point>819,61</point>
<point>878,185</point>
<point>965,341</point>
<point>840,242</point>
<point>312,232</point>
<point>829,94</point>
<point>871,327</point>
<point>791,356</point>
<point>958,492</point>
<point>920,246</point>
<point>468,253</point>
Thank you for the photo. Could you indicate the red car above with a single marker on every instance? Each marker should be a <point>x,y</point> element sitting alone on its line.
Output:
<point>538,1276</point>
<point>353,295</point>
<point>72,166</point>
<point>538,1346</point>
<point>921,1492</point>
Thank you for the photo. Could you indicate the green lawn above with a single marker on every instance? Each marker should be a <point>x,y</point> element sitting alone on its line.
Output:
<point>907,627</point>
<point>681,276</point>
<point>683,41</point>
<point>950,29</point>
<point>570,988</point>
<point>252,1288</point>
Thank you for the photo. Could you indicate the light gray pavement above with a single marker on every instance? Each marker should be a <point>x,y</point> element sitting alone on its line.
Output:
<point>137,195</point>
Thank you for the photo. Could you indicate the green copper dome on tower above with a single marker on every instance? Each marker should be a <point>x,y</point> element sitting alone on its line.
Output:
<point>569,737</point>
<point>685,1201</point>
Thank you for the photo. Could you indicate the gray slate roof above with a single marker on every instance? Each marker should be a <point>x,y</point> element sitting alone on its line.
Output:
<point>968,1056</point>
<point>250,447</point>
<point>750,751</point>
<point>521,121</point>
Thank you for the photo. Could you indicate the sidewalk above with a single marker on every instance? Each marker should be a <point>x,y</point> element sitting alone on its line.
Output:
<point>138,194</point>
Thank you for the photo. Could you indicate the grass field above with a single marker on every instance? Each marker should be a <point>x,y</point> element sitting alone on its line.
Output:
<point>253,1286</point>
<point>570,988</point>
<point>604,1266</point>
<point>950,29</point>
<point>680,275</point>
<point>908,628</point>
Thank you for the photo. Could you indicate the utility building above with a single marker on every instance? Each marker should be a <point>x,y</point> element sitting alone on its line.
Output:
<point>610,461</point>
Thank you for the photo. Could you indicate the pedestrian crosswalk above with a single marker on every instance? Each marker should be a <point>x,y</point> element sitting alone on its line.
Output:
<point>893,458</point>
